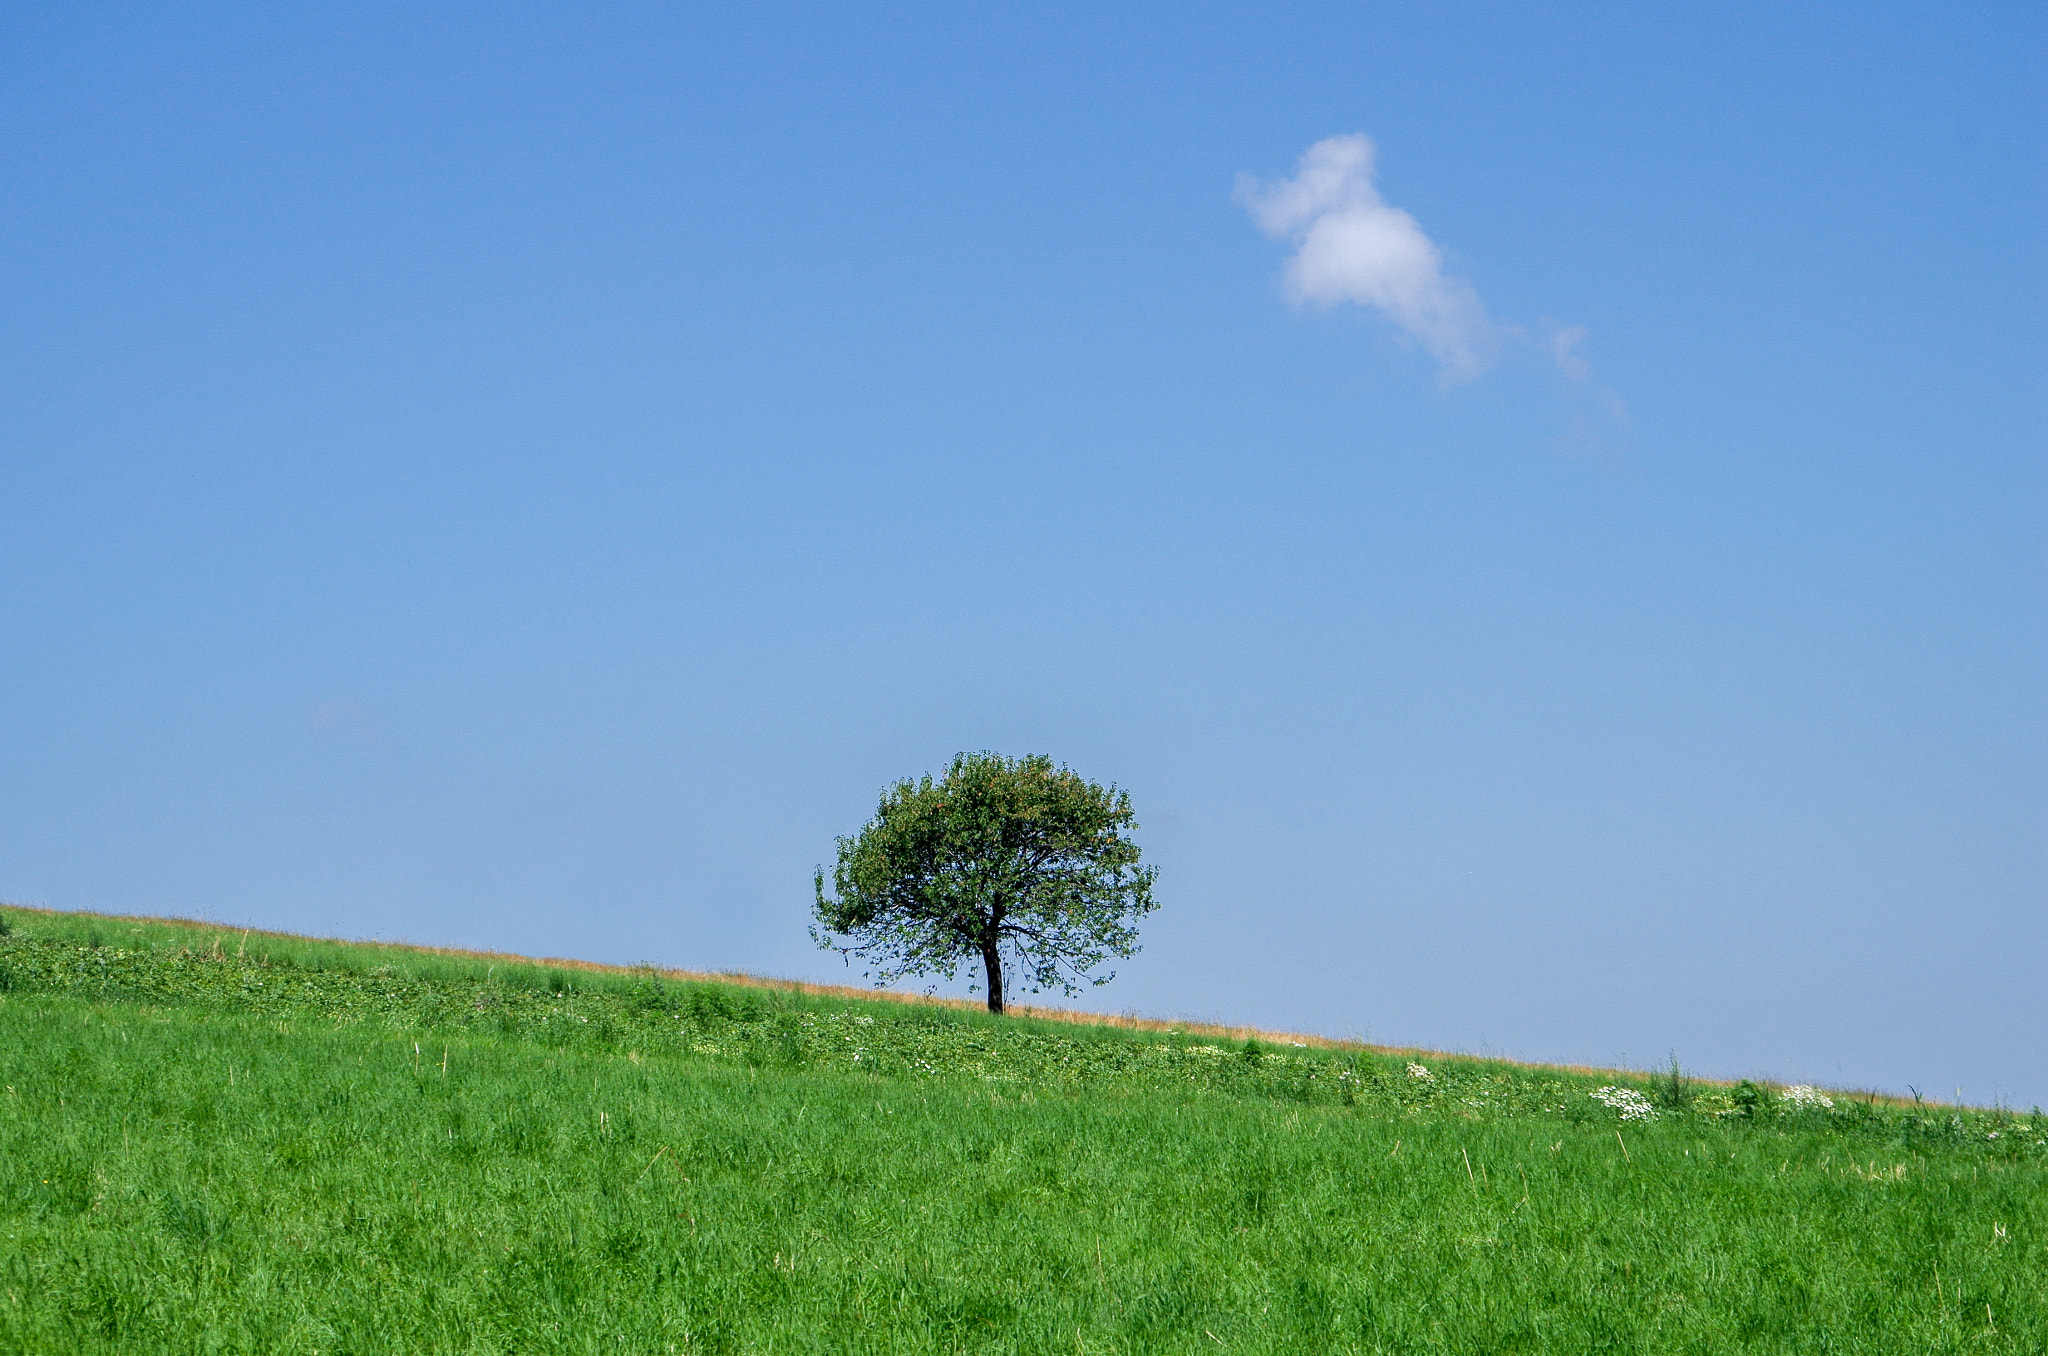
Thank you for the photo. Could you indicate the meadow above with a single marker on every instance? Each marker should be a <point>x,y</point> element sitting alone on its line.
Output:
<point>213,1142</point>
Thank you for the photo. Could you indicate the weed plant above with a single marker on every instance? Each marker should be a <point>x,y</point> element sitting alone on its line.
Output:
<point>307,1150</point>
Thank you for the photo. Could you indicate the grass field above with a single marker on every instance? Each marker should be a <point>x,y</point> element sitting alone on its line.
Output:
<point>321,1147</point>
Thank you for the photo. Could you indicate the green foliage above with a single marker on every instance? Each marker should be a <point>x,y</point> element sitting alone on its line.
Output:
<point>1672,1088</point>
<point>378,990</point>
<point>211,1152</point>
<point>1014,863</point>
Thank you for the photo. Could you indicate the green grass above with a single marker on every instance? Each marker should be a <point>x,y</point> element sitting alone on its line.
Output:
<point>318,1148</point>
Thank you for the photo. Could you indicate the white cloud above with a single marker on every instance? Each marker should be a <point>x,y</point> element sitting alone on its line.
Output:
<point>1350,245</point>
<point>1597,421</point>
<point>1564,351</point>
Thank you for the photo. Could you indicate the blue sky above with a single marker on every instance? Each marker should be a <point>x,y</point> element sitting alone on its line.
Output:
<point>1569,582</point>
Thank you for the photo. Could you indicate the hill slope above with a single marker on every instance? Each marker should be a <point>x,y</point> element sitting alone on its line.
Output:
<point>318,1147</point>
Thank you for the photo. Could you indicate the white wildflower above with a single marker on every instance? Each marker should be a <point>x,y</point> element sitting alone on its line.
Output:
<point>1417,1071</point>
<point>1632,1105</point>
<point>1802,1096</point>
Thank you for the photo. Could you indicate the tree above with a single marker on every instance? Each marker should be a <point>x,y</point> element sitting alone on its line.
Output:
<point>1002,859</point>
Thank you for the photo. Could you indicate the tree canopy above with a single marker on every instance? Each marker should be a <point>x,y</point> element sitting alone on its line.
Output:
<point>1014,862</point>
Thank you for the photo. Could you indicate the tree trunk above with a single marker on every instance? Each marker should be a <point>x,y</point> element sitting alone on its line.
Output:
<point>992,962</point>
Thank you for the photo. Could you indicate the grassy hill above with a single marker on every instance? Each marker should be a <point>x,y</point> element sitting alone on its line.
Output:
<point>218,1141</point>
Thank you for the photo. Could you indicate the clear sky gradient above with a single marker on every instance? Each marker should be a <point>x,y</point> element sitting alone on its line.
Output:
<point>1571,581</point>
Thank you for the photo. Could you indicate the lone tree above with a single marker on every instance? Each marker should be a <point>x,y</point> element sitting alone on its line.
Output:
<point>1002,859</point>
